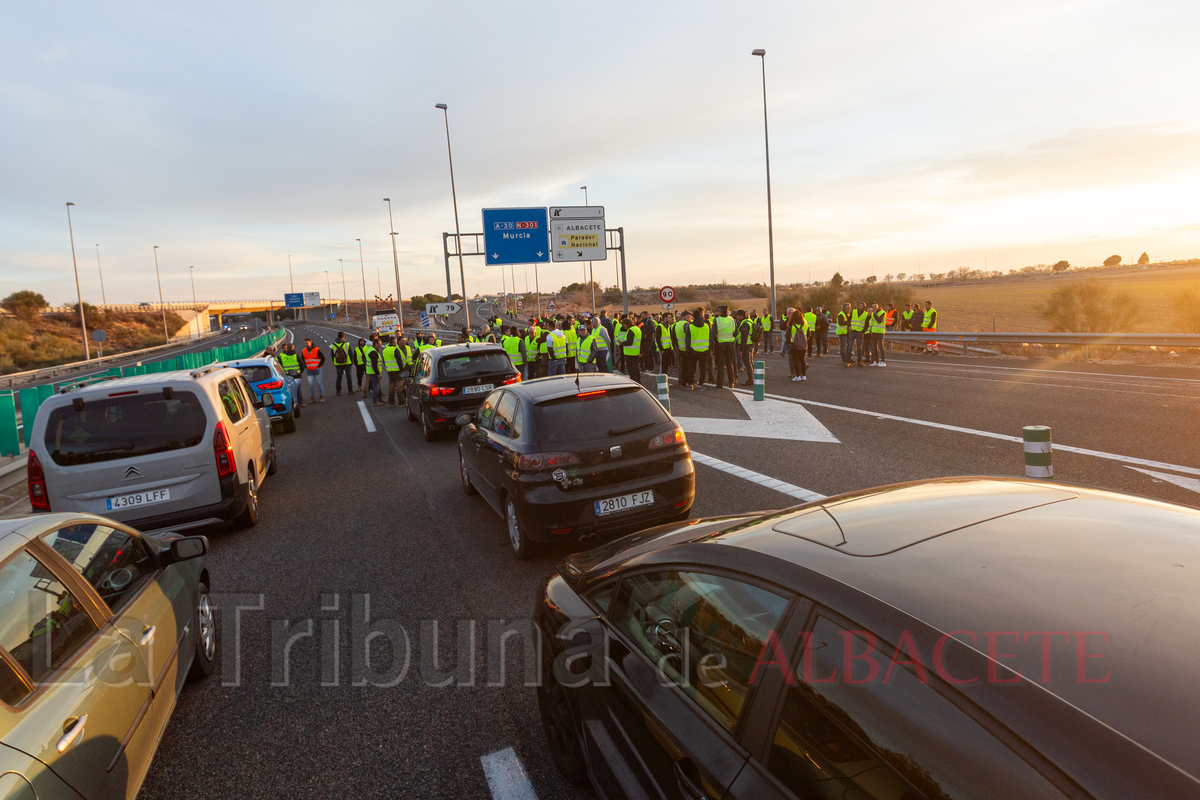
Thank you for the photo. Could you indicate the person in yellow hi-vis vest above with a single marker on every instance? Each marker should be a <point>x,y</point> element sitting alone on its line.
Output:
<point>929,325</point>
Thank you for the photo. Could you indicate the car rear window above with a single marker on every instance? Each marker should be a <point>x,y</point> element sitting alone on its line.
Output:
<point>573,418</point>
<point>471,365</point>
<point>112,428</point>
<point>256,374</point>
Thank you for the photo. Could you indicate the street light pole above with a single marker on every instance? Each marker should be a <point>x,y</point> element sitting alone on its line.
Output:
<point>161,305</point>
<point>87,350</point>
<point>345,302</point>
<point>328,290</point>
<point>762,54</point>
<point>103,296</point>
<point>591,274</point>
<point>192,273</point>
<point>291,283</point>
<point>396,264</point>
<point>363,269</point>
<point>462,275</point>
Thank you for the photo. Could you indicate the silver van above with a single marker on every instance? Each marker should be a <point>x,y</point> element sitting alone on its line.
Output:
<point>168,450</point>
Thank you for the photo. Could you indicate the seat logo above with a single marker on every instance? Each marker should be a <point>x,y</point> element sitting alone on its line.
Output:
<point>133,472</point>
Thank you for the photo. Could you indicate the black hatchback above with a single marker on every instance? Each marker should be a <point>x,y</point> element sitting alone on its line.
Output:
<point>454,380</point>
<point>958,638</point>
<point>576,458</point>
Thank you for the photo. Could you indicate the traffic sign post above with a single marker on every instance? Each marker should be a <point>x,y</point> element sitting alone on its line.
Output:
<point>515,236</point>
<point>667,294</point>
<point>578,233</point>
<point>293,300</point>
<point>443,309</point>
<point>552,305</point>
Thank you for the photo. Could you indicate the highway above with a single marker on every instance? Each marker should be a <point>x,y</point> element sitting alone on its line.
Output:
<point>366,518</point>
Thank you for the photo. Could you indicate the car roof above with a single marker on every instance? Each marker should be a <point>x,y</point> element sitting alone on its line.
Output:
<point>447,350</point>
<point>558,386</point>
<point>1009,555</point>
<point>261,361</point>
<point>149,379</point>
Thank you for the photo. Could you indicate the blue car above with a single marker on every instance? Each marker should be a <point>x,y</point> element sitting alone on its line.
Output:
<point>265,376</point>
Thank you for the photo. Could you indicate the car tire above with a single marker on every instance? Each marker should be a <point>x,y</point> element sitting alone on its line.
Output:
<point>522,546</point>
<point>558,722</point>
<point>205,661</point>
<point>468,487</point>
<point>273,466</point>
<point>427,429</point>
<point>289,423</point>
<point>408,410</point>
<point>249,516</point>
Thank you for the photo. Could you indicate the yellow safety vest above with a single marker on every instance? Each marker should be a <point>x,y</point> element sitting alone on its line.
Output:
<point>928,320</point>
<point>636,347</point>
<point>664,337</point>
<point>512,346</point>
<point>572,342</point>
<point>858,321</point>
<point>843,324</point>
<point>556,341</point>
<point>878,322</point>
<point>341,352</point>
<point>700,335</point>
<point>391,360</point>
<point>679,334</point>
<point>586,346</point>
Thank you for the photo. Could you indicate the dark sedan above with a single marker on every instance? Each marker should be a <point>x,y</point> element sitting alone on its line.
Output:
<point>454,380</point>
<point>960,638</point>
<point>576,458</point>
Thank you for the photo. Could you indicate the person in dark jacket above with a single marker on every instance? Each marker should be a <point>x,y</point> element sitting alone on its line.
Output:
<point>822,333</point>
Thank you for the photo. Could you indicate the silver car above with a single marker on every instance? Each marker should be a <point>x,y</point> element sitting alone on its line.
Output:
<point>167,450</point>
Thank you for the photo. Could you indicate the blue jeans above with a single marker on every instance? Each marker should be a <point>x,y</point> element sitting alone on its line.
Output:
<point>297,390</point>
<point>602,360</point>
<point>844,345</point>
<point>856,345</point>
<point>375,387</point>
<point>585,368</point>
<point>558,366</point>
<point>314,380</point>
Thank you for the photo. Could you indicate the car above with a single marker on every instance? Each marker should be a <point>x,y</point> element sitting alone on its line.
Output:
<point>576,458</point>
<point>453,380</point>
<point>962,637</point>
<point>264,375</point>
<point>100,628</point>
<point>170,449</point>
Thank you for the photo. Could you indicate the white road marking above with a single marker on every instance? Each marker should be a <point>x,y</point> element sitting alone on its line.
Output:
<point>1035,371</point>
<point>757,477</point>
<point>769,419</point>
<point>366,415</point>
<point>1191,484</point>
<point>1147,389</point>
<point>506,776</point>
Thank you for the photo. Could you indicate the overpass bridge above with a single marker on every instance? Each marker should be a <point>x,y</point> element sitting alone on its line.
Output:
<point>202,310</point>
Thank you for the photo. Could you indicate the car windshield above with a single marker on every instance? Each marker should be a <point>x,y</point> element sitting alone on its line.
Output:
<point>609,413</point>
<point>111,428</point>
<point>256,374</point>
<point>472,365</point>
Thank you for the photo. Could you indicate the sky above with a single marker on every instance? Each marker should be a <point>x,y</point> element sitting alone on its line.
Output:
<point>905,137</point>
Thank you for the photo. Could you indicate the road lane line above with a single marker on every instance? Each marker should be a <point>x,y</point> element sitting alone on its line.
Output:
<point>1037,371</point>
<point>1060,448</point>
<point>506,776</point>
<point>757,477</point>
<point>362,406</point>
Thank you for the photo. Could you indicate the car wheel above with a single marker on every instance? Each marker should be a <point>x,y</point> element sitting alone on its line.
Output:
<point>521,545</point>
<point>559,724</point>
<point>249,517</point>
<point>296,412</point>
<point>408,410</point>
<point>289,423</point>
<point>426,428</point>
<point>273,467</point>
<point>205,661</point>
<point>468,487</point>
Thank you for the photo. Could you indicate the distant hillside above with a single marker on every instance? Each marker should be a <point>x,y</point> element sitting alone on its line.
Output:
<point>52,339</point>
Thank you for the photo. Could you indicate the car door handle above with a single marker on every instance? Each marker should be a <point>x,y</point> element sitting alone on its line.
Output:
<point>148,635</point>
<point>688,786</point>
<point>72,733</point>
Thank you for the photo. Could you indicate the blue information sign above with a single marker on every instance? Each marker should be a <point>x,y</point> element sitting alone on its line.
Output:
<point>293,299</point>
<point>516,235</point>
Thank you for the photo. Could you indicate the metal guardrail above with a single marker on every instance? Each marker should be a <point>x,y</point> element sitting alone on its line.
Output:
<point>1017,337</point>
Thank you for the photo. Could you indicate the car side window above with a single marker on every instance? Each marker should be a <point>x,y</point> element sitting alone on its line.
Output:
<point>705,633</point>
<point>506,410</point>
<point>487,412</point>
<point>231,400</point>
<point>248,394</point>
<point>42,625</point>
<point>114,562</point>
<point>857,721</point>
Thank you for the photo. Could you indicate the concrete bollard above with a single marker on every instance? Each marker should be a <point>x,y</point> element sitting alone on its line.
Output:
<point>760,380</point>
<point>1037,452</point>
<point>663,395</point>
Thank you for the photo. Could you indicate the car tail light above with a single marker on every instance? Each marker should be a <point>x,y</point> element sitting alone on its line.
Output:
<point>670,439</point>
<point>266,387</point>
<point>226,461</point>
<point>440,391</point>
<point>537,461</point>
<point>37,483</point>
<point>514,379</point>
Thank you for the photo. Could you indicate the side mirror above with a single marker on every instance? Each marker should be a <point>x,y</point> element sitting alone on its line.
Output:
<point>463,420</point>
<point>188,547</point>
<point>267,400</point>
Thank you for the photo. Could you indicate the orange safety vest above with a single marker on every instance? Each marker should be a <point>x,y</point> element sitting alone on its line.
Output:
<point>890,318</point>
<point>312,358</point>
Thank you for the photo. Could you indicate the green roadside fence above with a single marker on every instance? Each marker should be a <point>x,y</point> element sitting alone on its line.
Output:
<point>30,398</point>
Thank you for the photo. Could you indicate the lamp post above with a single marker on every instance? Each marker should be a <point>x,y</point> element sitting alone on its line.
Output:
<point>87,350</point>
<point>462,276</point>
<point>103,296</point>
<point>362,267</point>
<point>345,304</point>
<point>328,291</point>
<point>161,305</point>
<point>396,264</point>
<point>762,54</point>
<point>192,273</point>
<point>292,284</point>
<point>591,275</point>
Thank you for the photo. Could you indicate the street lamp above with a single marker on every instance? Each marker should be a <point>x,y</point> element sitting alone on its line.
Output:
<point>87,350</point>
<point>345,304</point>
<point>328,293</point>
<point>396,264</point>
<point>103,296</point>
<point>292,284</point>
<point>591,274</point>
<point>767,143</point>
<point>462,275</point>
<point>192,273</point>
<point>363,269</point>
<point>161,305</point>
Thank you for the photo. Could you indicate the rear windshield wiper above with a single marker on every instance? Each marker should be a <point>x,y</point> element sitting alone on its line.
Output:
<point>621,431</point>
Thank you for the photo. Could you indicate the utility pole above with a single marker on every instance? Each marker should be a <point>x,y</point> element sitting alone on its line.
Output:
<point>363,269</point>
<point>161,305</point>
<point>103,296</point>
<point>87,350</point>
<point>345,300</point>
<point>396,264</point>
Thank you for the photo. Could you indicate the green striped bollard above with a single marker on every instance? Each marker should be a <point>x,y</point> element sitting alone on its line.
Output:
<point>760,380</point>
<point>1037,452</point>
<point>663,395</point>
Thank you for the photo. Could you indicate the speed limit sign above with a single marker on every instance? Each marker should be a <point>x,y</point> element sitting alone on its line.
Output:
<point>667,294</point>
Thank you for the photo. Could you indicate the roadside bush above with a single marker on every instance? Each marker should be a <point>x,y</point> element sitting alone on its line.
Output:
<point>758,290</point>
<point>24,304</point>
<point>1187,311</point>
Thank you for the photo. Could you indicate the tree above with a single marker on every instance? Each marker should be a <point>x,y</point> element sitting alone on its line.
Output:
<point>1090,307</point>
<point>1187,311</point>
<point>1112,261</point>
<point>888,277</point>
<point>872,279</point>
<point>1143,259</point>
<point>920,276</point>
<point>901,276</point>
<point>1061,266</point>
<point>24,304</point>
<point>837,281</point>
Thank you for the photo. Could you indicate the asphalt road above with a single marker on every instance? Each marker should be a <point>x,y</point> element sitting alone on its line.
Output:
<point>355,514</point>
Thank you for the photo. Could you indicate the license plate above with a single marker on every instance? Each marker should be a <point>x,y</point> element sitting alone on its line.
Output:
<point>481,388</point>
<point>138,499</point>
<point>624,503</point>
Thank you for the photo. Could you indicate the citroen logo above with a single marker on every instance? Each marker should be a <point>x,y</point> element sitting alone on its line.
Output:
<point>133,472</point>
<point>615,452</point>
